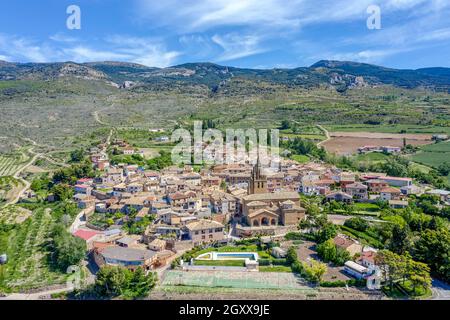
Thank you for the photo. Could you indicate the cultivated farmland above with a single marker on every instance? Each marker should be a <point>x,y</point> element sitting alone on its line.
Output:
<point>10,163</point>
<point>346,143</point>
<point>27,249</point>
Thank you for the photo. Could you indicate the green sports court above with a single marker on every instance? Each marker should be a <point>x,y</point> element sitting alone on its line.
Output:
<point>247,280</point>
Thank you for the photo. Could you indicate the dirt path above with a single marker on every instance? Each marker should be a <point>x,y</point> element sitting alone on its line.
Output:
<point>97,116</point>
<point>26,184</point>
<point>97,119</point>
<point>108,140</point>
<point>327,135</point>
<point>35,296</point>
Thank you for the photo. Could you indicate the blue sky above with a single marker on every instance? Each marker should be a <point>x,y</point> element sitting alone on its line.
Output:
<point>242,33</point>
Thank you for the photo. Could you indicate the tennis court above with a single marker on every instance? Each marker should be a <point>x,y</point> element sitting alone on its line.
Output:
<point>248,280</point>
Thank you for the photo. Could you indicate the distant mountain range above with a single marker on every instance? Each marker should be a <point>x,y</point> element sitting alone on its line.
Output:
<point>339,74</point>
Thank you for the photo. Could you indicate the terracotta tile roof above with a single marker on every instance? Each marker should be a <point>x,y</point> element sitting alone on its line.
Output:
<point>390,190</point>
<point>203,224</point>
<point>273,196</point>
<point>85,234</point>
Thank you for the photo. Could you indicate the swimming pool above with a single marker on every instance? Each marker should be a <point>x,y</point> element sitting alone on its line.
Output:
<point>229,256</point>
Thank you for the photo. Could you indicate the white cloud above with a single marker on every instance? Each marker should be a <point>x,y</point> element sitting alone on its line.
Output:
<point>150,52</point>
<point>140,50</point>
<point>192,15</point>
<point>83,54</point>
<point>365,55</point>
<point>237,46</point>
<point>19,48</point>
<point>435,35</point>
<point>60,37</point>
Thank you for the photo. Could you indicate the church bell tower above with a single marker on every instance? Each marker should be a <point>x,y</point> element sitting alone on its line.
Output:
<point>258,181</point>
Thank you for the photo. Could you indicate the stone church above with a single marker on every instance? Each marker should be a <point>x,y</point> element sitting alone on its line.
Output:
<point>261,208</point>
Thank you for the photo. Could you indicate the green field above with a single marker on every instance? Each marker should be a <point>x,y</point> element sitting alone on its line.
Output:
<point>437,147</point>
<point>433,155</point>
<point>372,157</point>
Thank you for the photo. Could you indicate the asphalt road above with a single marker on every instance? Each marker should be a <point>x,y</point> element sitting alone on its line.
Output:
<point>441,291</point>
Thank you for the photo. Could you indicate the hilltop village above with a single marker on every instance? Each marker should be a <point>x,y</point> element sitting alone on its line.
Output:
<point>248,221</point>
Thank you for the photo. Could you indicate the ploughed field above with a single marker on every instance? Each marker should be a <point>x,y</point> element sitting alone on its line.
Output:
<point>347,143</point>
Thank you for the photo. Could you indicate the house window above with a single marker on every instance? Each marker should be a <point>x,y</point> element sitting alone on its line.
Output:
<point>203,237</point>
<point>210,236</point>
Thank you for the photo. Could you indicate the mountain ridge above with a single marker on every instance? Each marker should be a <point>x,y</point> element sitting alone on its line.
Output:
<point>339,74</point>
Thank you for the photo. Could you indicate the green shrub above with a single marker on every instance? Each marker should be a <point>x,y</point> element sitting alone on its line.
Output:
<point>294,236</point>
<point>280,262</point>
<point>264,262</point>
<point>342,283</point>
<point>297,267</point>
<point>357,223</point>
<point>277,262</point>
<point>333,284</point>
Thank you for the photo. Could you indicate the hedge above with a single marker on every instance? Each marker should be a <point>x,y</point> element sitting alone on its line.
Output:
<point>342,283</point>
<point>299,236</point>
<point>276,262</point>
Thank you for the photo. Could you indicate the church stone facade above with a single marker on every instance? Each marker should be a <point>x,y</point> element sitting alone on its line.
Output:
<point>261,208</point>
